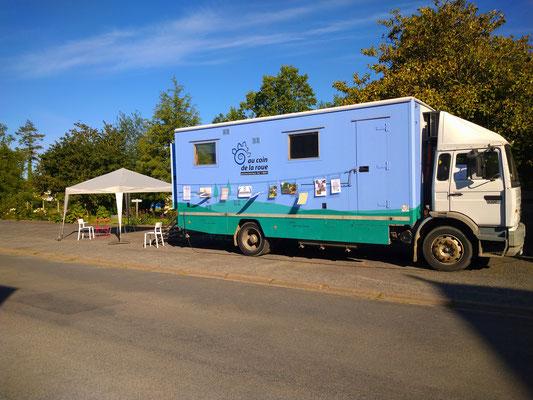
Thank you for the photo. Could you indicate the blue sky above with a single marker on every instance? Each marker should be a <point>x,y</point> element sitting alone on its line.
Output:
<point>68,61</point>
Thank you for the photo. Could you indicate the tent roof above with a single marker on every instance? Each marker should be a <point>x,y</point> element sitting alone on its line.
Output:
<point>122,180</point>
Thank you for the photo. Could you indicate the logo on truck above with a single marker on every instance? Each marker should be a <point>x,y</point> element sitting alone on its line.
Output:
<point>240,153</point>
<point>249,165</point>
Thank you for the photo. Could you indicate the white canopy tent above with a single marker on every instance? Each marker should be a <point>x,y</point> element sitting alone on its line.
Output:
<point>118,182</point>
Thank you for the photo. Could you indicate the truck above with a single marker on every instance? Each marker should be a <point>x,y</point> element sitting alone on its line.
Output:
<point>372,173</point>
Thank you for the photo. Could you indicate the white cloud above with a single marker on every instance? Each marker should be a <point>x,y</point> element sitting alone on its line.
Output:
<point>196,38</point>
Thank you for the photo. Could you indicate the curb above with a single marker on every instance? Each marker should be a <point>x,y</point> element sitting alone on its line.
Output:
<point>431,301</point>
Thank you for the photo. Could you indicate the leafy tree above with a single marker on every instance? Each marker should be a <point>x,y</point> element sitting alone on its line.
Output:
<point>234,114</point>
<point>449,56</point>
<point>82,153</point>
<point>13,190</point>
<point>5,138</point>
<point>175,110</point>
<point>132,127</point>
<point>29,140</point>
<point>70,160</point>
<point>287,92</point>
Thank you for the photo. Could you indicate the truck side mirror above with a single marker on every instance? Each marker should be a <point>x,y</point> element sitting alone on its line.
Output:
<point>472,154</point>
<point>476,167</point>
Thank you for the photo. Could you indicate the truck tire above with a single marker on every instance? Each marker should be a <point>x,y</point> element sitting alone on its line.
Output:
<point>446,248</point>
<point>251,240</point>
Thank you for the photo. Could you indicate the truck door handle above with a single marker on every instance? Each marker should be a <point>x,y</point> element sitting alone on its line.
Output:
<point>364,168</point>
<point>455,194</point>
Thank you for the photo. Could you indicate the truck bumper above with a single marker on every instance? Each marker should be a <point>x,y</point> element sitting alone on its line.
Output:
<point>516,239</point>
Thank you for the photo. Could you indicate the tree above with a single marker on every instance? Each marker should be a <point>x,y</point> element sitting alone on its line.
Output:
<point>83,153</point>
<point>29,139</point>
<point>175,110</point>
<point>132,127</point>
<point>287,92</point>
<point>70,160</point>
<point>234,114</point>
<point>449,56</point>
<point>12,185</point>
<point>5,138</point>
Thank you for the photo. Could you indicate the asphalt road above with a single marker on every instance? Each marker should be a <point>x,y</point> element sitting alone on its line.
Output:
<point>70,331</point>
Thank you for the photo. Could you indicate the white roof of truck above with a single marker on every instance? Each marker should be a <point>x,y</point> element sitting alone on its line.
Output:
<point>457,133</point>
<point>311,112</point>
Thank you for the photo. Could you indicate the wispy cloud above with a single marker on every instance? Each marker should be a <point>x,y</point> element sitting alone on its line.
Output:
<point>196,38</point>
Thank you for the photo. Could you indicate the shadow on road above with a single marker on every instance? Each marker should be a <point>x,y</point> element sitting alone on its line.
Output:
<point>5,292</point>
<point>395,254</point>
<point>507,326</point>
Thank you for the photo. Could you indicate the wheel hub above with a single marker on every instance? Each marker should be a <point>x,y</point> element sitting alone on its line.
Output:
<point>447,249</point>
<point>253,239</point>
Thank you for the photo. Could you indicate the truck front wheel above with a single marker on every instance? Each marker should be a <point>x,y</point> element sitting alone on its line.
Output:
<point>446,248</point>
<point>251,240</point>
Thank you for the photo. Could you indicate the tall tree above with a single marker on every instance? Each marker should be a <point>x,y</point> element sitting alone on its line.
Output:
<point>30,141</point>
<point>449,56</point>
<point>286,92</point>
<point>175,110</point>
<point>5,138</point>
<point>132,127</point>
<point>12,184</point>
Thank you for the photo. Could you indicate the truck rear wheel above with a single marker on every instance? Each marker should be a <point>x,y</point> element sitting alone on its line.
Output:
<point>446,248</point>
<point>251,240</point>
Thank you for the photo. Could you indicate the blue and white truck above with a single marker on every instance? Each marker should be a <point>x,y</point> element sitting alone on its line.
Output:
<point>378,172</point>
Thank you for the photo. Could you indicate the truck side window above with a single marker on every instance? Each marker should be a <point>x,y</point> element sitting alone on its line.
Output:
<point>205,153</point>
<point>485,166</point>
<point>303,145</point>
<point>443,167</point>
<point>462,170</point>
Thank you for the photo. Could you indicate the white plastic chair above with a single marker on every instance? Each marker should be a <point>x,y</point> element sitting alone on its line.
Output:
<point>82,228</point>
<point>157,233</point>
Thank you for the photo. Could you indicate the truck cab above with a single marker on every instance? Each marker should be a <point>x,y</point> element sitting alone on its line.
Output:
<point>474,209</point>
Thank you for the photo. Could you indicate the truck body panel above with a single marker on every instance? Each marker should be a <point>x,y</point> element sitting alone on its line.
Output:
<point>373,150</point>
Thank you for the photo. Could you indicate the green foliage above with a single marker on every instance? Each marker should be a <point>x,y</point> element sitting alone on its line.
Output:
<point>131,128</point>
<point>102,212</point>
<point>287,92</point>
<point>75,211</point>
<point>81,154</point>
<point>5,138</point>
<point>175,110</point>
<point>449,57</point>
<point>14,190</point>
<point>234,114</point>
<point>30,142</point>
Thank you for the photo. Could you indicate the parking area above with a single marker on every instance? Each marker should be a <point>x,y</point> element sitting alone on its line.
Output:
<point>375,272</point>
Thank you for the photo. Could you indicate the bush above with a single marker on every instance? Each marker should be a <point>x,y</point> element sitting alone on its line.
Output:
<point>75,211</point>
<point>102,212</point>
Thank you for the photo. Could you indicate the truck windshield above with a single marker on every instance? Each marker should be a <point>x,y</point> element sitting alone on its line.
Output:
<point>515,181</point>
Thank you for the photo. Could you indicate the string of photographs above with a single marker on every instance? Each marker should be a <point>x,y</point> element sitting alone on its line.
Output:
<point>287,188</point>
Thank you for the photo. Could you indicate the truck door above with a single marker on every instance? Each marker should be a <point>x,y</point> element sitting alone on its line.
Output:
<point>372,143</point>
<point>476,187</point>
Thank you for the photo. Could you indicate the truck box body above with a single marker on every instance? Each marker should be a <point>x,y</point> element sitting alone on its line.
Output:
<point>374,149</point>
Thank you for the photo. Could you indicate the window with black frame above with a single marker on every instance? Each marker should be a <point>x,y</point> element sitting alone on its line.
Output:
<point>303,145</point>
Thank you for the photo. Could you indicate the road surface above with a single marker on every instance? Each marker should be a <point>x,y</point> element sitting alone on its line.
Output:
<point>70,331</point>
